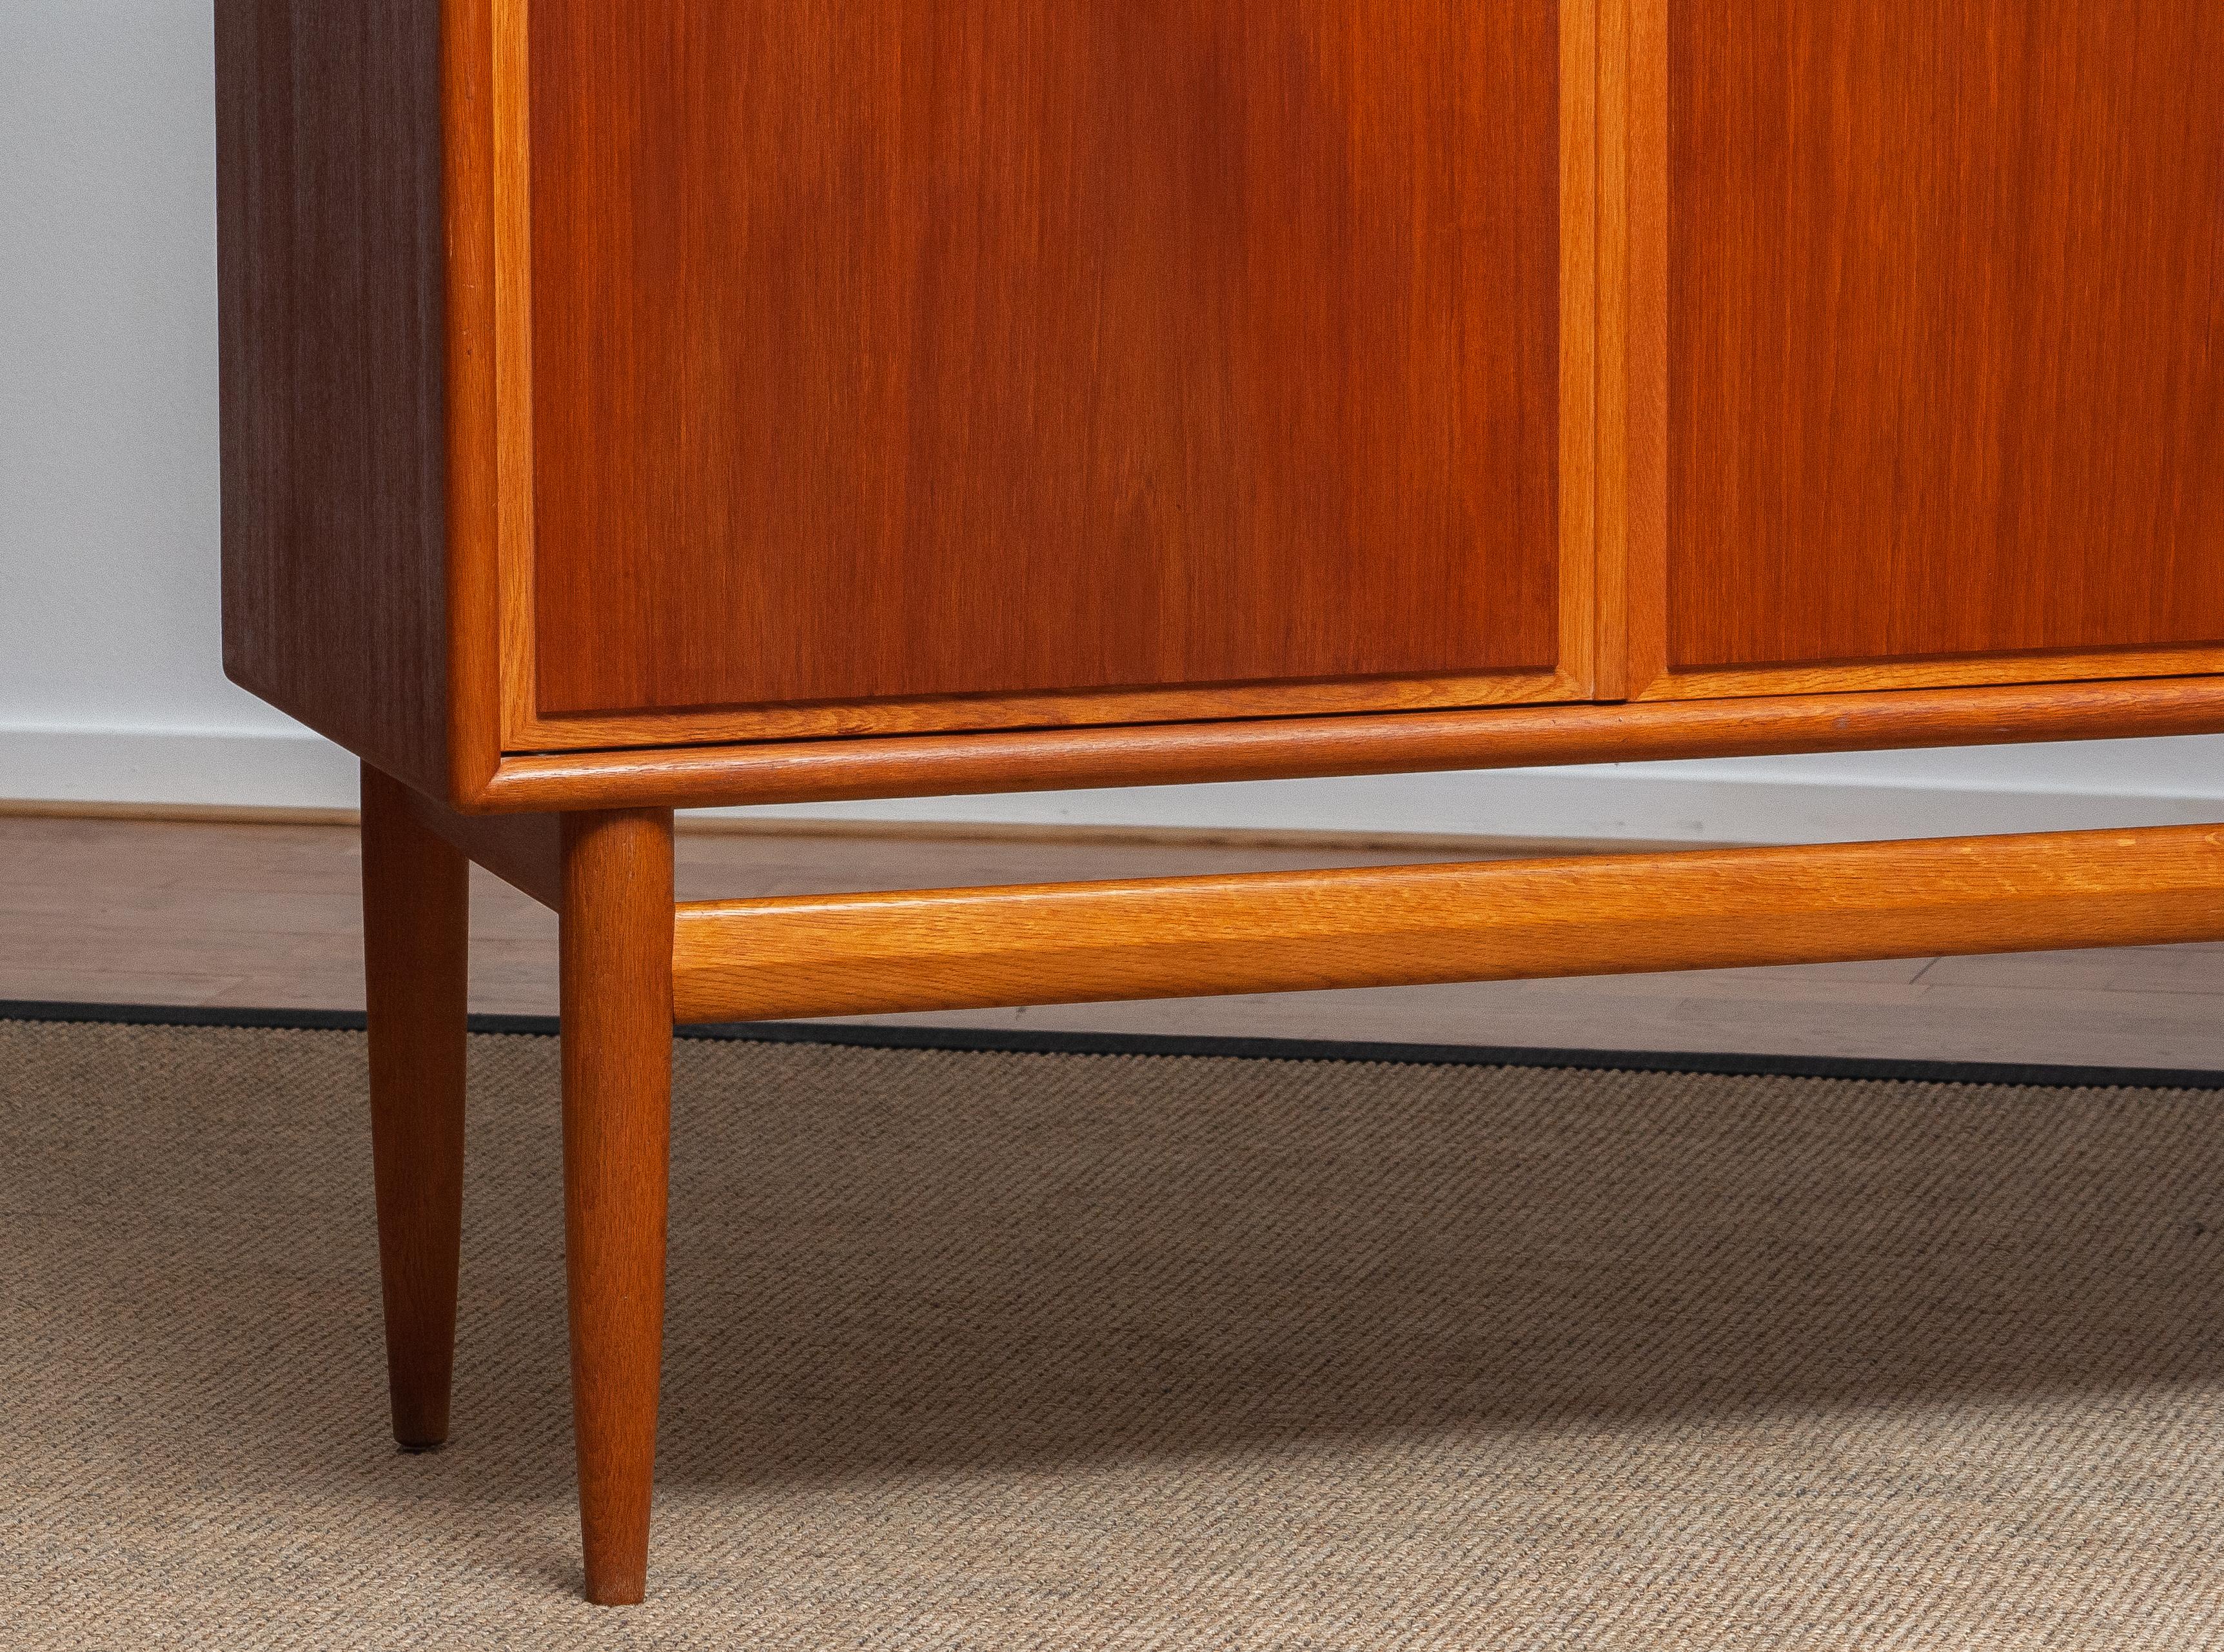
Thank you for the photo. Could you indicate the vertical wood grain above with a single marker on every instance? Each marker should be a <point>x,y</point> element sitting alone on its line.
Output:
<point>511,202</point>
<point>1633,348</point>
<point>332,360</point>
<point>884,350</point>
<point>1946,323</point>
<point>1591,644</point>
<point>474,399</point>
<point>616,969</point>
<point>415,925</point>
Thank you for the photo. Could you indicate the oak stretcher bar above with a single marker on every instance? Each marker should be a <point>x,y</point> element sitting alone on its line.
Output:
<point>1405,925</point>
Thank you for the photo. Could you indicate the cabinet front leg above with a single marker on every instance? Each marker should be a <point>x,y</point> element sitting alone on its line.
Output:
<point>415,934</point>
<point>617,920</point>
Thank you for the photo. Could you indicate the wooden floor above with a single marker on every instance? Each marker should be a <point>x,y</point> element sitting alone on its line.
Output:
<point>227,913</point>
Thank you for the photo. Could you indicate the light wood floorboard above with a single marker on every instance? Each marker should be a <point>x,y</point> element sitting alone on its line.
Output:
<point>265,914</point>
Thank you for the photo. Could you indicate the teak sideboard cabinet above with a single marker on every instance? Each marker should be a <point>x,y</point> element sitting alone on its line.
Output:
<point>638,404</point>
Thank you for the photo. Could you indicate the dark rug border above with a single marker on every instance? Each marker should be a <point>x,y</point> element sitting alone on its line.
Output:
<point>986,1040</point>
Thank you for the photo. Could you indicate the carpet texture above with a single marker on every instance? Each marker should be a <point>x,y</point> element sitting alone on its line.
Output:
<point>1002,1350</point>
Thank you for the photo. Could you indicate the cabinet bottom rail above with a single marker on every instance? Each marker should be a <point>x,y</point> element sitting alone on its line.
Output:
<point>1410,925</point>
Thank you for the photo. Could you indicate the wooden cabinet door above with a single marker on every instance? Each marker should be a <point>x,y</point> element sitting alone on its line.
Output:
<point>879,364</point>
<point>1919,338</point>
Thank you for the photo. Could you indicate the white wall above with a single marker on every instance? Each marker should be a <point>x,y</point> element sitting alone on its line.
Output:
<point>110,687</point>
<point>108,428</point>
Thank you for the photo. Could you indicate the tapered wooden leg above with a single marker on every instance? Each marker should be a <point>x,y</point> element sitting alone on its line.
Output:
<point>617,924</point>
<point>415,933</point>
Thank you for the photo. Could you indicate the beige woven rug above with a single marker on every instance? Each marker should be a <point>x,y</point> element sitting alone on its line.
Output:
<point>1117,1352</point>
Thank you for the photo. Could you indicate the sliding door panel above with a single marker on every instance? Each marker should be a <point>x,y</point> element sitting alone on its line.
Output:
<point>898,365</point>
<point>1936,292</point>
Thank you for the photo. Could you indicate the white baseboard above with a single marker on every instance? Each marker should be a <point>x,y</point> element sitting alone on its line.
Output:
<point>1763,799</point>
<point>184,767</point>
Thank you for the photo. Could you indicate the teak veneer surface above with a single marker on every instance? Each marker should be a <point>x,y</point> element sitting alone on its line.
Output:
<point>1934,420</point>
<point>884,350</point>
<point>1944,328</point>
<point>331,342</point>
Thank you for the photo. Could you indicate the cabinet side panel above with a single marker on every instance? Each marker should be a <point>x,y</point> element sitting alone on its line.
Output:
<point>330,305</point>
<point>885,349</point>
<point>1946,329</point>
